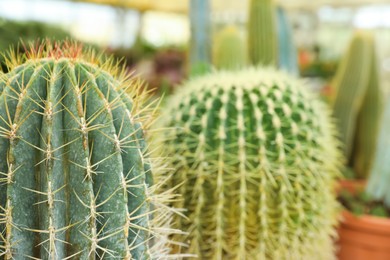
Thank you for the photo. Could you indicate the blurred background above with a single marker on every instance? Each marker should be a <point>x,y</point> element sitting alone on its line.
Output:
<point>153,36</point>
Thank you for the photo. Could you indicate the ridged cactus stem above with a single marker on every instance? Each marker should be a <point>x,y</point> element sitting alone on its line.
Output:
<point>73,162</point>
<point>262,33</point>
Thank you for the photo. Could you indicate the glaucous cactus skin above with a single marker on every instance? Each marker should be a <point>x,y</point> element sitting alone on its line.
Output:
<point>288,56</point>
<point>73,161</point>
<point>255,161</point>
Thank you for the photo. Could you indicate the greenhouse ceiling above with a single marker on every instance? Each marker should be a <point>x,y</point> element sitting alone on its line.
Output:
<point>181,6</point>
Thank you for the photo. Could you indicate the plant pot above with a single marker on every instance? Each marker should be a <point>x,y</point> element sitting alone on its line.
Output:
<point>363,237</point>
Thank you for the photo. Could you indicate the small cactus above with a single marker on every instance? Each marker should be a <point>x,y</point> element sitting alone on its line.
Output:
<point>76,181</point>
<point>255,161</point>
<point>229,49</point>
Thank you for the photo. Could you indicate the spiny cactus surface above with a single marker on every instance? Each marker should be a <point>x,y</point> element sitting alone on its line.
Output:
<point>76,181</point>
<point>255,159</point>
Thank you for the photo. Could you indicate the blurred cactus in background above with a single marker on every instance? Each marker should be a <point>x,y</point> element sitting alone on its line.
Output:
<point>262,33</point>
<point>288,56</point>
<point>359,101</point>
<point>229,49</point>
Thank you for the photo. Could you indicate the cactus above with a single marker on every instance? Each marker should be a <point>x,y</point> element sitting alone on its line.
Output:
<point>255,161</point>
<point>229,50</point>
<point>76,180</point>
<point>262,35</point>
<point>288,57</point>
<point>200,46</point>
<point>379,178</point>
<point>358,104</point>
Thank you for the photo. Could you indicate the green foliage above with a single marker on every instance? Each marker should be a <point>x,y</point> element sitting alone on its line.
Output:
<point>76,180</point>
<point>358,104</point>
<point>229,49</point>
<point>255,162</point>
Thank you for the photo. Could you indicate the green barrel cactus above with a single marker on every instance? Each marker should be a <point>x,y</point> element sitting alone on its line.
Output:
<point>255,159</point>
<point>359,102</point>
<point>76,181</point>
<point>229,49</point>
<point>262,33</point>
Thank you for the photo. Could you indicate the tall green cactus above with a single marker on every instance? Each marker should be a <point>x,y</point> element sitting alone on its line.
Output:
<point>76,183</point>
<point>262,36</point>
<point>229,49</point>
<point>255,159</point>
<point>358,104</point>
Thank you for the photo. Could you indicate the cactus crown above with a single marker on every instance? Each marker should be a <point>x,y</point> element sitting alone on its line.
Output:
<point>76,178</point>
<point>257,158</point>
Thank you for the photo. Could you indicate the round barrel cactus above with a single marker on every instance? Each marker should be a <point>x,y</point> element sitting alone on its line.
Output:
<point>75,179</point>
<point>255,159</point>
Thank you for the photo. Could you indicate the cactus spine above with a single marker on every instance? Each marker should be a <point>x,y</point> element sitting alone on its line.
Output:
<point>229,51</point>
<point>262,36</point>
<point>358,104</point>
<point>72,159</point>
<point>255,159</point>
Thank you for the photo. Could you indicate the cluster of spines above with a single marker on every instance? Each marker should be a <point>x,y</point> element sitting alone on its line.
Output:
<point>73,164</point>
<point>236,145</point>
<point>358,104</point>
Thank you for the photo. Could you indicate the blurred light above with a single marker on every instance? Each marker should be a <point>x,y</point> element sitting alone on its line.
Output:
<point>99,24</point>
<point>372,17</point>
<point>165,28</point>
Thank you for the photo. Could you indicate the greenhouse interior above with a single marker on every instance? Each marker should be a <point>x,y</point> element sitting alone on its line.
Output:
<point>195,129</point>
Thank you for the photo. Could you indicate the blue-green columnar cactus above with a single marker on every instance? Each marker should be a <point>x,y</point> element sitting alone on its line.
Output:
<point>255,162</point>
<point>379,178</point>
<point>76,180</point>
<point>288,57</point>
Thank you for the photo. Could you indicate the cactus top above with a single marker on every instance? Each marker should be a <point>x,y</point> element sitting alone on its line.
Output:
<point>75,176</point>
<point>255,159</point>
